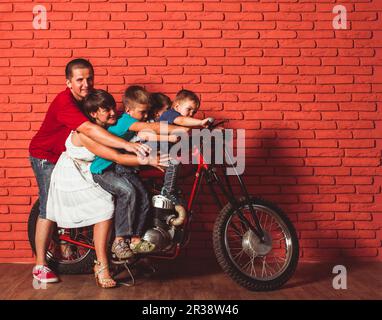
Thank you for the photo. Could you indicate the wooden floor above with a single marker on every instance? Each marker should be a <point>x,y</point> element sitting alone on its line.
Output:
<point>202,281</point>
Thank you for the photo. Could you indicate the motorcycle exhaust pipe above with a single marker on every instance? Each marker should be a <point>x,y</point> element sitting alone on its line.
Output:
<point>182,215</point>
<point>162,202</point>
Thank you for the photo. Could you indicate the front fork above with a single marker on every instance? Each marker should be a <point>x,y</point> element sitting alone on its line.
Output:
<point>213,178</point>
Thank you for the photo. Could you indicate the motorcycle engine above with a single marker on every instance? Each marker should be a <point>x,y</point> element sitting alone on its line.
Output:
<point>162,231</point>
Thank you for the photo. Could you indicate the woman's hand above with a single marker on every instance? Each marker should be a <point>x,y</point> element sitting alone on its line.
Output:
<point>141,150</point>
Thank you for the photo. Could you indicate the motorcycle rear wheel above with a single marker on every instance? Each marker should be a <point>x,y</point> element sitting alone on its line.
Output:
<point>77,259</point>
<point>256,265</point>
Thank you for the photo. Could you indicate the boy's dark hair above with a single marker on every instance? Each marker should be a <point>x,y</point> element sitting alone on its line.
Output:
<point>135,94</point>
<point>158,100</point>
<point>187,94</point>
<point>96,99</point>
<point>77,63</point>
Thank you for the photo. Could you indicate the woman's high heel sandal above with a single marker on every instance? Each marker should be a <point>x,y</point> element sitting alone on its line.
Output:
<point>103,282</point>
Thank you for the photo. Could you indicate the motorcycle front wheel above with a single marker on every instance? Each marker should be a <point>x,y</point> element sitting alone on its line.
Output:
<point>253,264</point>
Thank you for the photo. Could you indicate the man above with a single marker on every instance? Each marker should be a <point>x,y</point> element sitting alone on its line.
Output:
<point>47,145</point>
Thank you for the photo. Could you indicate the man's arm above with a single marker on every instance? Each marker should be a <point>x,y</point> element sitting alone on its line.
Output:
<point>102,136</point>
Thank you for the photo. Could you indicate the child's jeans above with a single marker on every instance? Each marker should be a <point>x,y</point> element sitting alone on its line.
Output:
<point>171,172</point>
<point>132,203</point>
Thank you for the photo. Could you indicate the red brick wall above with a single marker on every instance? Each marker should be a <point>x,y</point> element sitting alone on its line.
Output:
<point>308,95</point>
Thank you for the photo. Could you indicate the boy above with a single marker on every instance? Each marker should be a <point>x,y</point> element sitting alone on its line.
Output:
<point>183,109</point>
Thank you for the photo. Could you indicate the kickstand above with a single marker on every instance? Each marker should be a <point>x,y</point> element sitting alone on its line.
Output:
<point>132,282</point>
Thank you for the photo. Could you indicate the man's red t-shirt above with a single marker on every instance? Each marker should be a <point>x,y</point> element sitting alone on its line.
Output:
<point>62,117</point>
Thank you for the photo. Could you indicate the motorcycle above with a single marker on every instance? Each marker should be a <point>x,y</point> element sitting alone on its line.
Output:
<point>254,241</point>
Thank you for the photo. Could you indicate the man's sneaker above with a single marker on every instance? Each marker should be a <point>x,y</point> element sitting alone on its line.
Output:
<point>44,274</point>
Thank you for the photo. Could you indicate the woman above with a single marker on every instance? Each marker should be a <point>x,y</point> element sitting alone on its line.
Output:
<point>74,199</point>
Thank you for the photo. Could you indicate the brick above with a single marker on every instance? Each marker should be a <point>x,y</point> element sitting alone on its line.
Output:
<point>355,162</point>
<point>89,34</point>
<point>336,243</point>
<point>353,216</point>
<point>321,254</point>
<point>3,209</point>
<point>368,243</point>
<point>169,34</point>
<point>335,225</point>
<point>260,7</point>
<point>4,227</point>
<point>319,234</point>
<point>197,61</point>
<point>278,34</point>
<point>129,52</point>
<point>356,234</point>
<point>185,7</point>
<point>14,199</point>
<point>16,35</point>
<point>205,16</point>
<point>361,252</point>
<point>182,43</point>
<point>171,16</point>
<point>324,216</point>
<point>261,43</point>
<point>337,189</point>
<point>220,25</point>
<point>56,34</point>
<point>15,253</point>
<point>224,7</point>
<point>7,245</point>
<point>368,189</point>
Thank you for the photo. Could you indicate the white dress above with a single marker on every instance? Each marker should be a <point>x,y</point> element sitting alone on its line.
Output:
<point>74,199</point>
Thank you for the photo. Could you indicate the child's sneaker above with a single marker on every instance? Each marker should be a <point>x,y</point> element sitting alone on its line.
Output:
<point>142,246</point>
<point>44,274</point>
<point>173,197</point>
<point>121,249</point>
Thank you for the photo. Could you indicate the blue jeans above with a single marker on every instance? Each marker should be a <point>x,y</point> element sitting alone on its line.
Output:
<point>132,204</point>
<point>42,169</point>
<point>171,172</point>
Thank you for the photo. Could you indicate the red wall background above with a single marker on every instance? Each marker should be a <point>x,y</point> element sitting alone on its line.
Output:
<point>309,97</point>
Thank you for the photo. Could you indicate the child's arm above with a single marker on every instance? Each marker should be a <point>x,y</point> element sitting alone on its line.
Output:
<point>192,122</point>
<point>151,136</point>
<point>156,126</point>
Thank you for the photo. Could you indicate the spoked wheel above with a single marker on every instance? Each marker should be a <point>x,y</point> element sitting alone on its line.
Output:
<point>64,257</point>
<point>254,264</point>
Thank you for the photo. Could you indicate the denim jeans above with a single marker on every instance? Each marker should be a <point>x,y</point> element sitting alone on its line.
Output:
<point>42,169</point>
<point>171,172</point>
<point>132,203</point>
